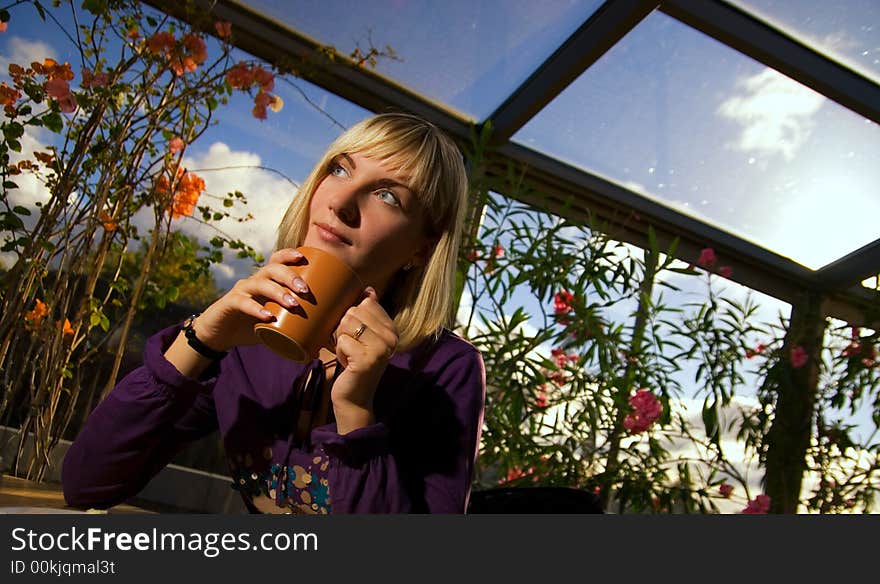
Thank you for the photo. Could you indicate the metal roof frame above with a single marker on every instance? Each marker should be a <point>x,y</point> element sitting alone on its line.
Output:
<point>571,191</point>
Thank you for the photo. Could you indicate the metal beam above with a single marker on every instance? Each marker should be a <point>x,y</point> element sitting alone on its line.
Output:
<point>566,190</point>
<point>755,38</point>
<point>584,47</point>
<point>852,268</point>
<point>290,50</point>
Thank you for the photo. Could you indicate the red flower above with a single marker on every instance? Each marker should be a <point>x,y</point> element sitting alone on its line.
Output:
<point>707,257</point>
<point>725,271</point>
<point>498,251</point>
<point>798,357</point>
<point>473,255</point>
<point>223,28</point>
<point>646,410</point>
<point>562,302</point>
<point>757,351</point>
<point>725,490</point>
<point>760,505</point>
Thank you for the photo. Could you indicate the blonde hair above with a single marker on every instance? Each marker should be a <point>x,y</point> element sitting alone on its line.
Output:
<point>420,299</point>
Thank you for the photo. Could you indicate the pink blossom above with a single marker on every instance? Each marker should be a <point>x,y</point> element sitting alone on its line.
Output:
<point>725,271</point>
<point>760,505</point>
<point>57,88</point>
<point>240,76</point>
<point>725,490</point>
<point>266,79</point>
<point>541,401</point>
<point>646,409</point>
<point>798,357</point>
<point>175,145</point>
<point>223,28</point>
<point>562,302</point>
<point>707,257</point>
<point>67,104</point>
<point>560,357</point>
<point>161,42</point>
<point>498,251</point>
<point>90,79</point>
<point>261,101</point>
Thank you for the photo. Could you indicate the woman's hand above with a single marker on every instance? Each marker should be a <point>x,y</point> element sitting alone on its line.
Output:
<point>230,320</point>
<point>366,338</point>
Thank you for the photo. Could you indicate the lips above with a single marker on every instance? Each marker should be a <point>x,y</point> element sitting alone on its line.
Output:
<point>330,234</point>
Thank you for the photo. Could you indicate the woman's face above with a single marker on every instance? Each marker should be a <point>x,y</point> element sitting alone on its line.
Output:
<point>364,213</point>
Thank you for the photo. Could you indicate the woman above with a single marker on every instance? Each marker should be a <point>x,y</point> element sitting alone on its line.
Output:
<point>389,423</point>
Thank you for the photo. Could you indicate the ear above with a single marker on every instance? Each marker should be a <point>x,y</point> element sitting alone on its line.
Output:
<point>424,253</point>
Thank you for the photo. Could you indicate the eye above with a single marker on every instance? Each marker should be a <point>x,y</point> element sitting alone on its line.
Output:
<point>388,197</point>
<point>337,169</point>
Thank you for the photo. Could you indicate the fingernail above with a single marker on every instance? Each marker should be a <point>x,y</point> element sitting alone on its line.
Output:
<point>300,286</point>
<point>289,300</point>
<point>266,313</point>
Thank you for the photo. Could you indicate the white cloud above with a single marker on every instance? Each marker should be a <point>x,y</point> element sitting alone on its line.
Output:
<point>775,114</point>
<point>24,52</point>
<point>267,198</point>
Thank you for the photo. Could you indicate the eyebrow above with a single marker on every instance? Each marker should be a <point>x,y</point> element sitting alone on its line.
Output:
<point>385,182</point>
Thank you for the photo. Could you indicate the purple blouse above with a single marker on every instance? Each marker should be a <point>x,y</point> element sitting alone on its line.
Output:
<point>418,457</point>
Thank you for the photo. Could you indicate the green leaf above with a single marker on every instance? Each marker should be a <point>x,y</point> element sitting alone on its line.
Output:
<point>53,122</point>
<point>96,7</point>
<point>4,15</point>
<point>227,202</point>
<point>8,184</point>
<point>173,293</point>
<point>22,210</point>
<point>95,319</point>
<point>105,323</point>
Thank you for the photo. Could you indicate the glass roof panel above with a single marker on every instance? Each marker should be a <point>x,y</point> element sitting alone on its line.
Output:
<point>687,121</point>
<point>847,31</point>
<point>469,55</point>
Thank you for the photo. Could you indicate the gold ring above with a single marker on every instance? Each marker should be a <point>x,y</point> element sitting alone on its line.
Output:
<point>360,330</point>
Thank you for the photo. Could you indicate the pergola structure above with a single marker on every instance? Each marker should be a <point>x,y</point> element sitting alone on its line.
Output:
<point>833,290</point>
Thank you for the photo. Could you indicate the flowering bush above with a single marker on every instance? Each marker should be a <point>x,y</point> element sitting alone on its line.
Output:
<point>596,382</point>
<point>118,124</point>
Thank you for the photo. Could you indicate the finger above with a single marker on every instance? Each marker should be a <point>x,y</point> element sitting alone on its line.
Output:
<point>263,289</point>
<point>287,277</point>
<point>286,256</point>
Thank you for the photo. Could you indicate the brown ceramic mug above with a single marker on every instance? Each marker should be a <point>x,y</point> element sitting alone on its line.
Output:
<point>298,333</point>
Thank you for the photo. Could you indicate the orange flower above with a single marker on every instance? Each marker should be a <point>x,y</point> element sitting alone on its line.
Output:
<point>223,28</point>
<point>34,317</point>
<point>186,194</point>
<point>66,328</point>
<point>3,26</point>
<point>107,221</point>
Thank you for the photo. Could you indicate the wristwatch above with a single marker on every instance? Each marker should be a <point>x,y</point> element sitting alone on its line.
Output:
<point>198,346</point>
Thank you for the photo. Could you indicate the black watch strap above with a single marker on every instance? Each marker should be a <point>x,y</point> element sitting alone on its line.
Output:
<point>194,342</point>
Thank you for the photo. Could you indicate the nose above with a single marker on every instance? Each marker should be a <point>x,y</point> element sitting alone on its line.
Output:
<point>344,204</point>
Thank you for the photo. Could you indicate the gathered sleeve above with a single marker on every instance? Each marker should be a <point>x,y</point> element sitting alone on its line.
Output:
<point>149,416</point>
<point>419,458</point>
